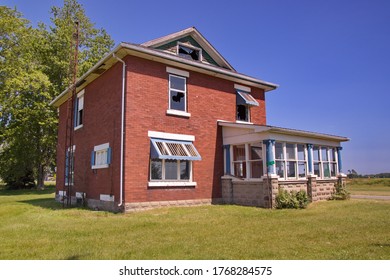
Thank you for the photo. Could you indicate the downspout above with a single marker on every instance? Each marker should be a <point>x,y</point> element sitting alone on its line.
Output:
<point>122,126</point>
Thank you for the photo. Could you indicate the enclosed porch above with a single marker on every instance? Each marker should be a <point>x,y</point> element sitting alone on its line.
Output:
<point>260,160</point>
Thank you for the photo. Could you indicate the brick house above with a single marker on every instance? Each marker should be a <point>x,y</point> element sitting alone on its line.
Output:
<point>171,122</point>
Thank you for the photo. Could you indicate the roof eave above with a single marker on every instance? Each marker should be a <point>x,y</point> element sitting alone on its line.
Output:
<point>137,50</point>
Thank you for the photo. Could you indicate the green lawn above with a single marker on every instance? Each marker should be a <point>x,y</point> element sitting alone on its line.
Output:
<point>372,186</point>
<point>34,226</point>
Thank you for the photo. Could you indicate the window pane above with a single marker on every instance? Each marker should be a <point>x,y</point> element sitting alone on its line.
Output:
<point>156,169</point>
<point>256,152</point>
<point>333,154</point>
<point>184,170</point>
<point>291,169</point>
<point>324,154</point>
<point>170,169</point>
<point>256,169</point>
<point>301,169</point>
<point>239,152</point>
<point>177,100</point>
<point>333,169</point>
<point>280,168</point>
<point>317,169</point>
<point>177,83</point>
<point>279,150</point>
<point>316,151</point>
<point>326,170</point>
<point>240,169</point>
<point>301,152</point>
<point>290,151</point>
<point>242,113</point>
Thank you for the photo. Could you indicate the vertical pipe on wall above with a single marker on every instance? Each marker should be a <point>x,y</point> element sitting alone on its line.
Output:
<point>122,126</point>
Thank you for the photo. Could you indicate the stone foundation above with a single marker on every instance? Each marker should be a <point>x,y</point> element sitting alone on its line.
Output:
<point>262,193</point>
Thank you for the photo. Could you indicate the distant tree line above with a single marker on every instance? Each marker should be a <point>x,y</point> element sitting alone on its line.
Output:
<point>353,174</point>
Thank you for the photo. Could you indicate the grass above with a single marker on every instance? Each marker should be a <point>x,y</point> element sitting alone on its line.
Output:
<point>369,186</point>
<point>34,226</point>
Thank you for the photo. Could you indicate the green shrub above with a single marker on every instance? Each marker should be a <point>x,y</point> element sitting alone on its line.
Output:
<point>295,200</point>
<point>341,192</point>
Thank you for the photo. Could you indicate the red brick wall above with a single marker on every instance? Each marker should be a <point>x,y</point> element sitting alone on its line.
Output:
<point>208,99</point>
<point>101,124</point>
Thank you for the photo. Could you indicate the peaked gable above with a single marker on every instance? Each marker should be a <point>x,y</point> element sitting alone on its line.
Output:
<point>191,38</point>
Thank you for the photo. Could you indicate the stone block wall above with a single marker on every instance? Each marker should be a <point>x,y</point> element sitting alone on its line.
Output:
<point>258,193</point>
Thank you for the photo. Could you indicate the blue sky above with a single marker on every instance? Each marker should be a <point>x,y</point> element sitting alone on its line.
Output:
<point>330,58</point>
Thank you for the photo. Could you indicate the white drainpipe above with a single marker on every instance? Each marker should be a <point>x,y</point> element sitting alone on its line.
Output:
<point>122,126</point>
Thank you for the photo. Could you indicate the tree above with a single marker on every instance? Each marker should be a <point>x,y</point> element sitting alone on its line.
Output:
<point>34,68</point>
<point>27,123</point>
<point>57,51</point>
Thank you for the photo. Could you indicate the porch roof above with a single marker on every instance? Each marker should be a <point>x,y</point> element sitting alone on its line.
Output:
<point>278,133</point>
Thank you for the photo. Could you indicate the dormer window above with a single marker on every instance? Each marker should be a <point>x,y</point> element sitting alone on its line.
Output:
<point>189,52</point>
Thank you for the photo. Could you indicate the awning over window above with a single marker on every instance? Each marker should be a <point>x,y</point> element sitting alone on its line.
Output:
<point>244,98</point>
<point>172,149</point>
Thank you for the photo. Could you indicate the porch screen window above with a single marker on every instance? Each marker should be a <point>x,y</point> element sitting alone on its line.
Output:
<point>290,160</point>
<point>248,161</point>
<point>326,162</point>
<point>244,101</point>
<point>177,93</point>
<point>239,161</point>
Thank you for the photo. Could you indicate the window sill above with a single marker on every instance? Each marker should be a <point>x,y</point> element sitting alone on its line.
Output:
<point>178,113</point>
<point>78,127</point>
<point>171,184</point>
<point>244,122</point>
<point>100,166</point>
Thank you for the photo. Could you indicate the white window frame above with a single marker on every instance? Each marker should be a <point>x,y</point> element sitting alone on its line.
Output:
<point>248,114</point>
<point>79,101</point>
<point>247,162</point>
<point>199,50</point>
<point>285,161</point>
<point>101,151</point>
<point>170,182</point>
<point>176,112</point>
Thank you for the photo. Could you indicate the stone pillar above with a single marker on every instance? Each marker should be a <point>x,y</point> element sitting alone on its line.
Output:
<point>270,156</point>
<point>342,180</point>
<point>312,187</point>
<point>270,190</point>
<point>310,158</point>
<point>227,190</point>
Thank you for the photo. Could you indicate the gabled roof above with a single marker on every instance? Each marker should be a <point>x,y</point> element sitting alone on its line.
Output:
<point>184,35</point>
<point>150,51</point>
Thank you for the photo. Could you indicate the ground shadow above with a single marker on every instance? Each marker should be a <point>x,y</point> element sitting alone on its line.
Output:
<point>47,203</point>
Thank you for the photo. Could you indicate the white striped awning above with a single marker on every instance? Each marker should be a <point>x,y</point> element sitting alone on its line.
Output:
<point>173,149</point>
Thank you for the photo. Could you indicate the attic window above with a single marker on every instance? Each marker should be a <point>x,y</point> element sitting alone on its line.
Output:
<point>188,52</point>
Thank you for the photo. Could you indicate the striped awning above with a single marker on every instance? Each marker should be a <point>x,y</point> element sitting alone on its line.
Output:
<point>244,98</point>
<point>173,149</point>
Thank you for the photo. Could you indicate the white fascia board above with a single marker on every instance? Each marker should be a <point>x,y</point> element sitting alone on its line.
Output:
<point>171,136</point>
<point>241,87</point>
